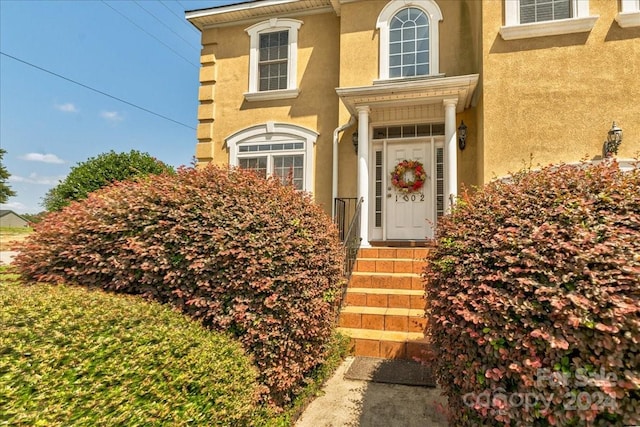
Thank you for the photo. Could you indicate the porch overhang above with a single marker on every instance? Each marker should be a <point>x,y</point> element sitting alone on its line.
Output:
<point>411,93</point>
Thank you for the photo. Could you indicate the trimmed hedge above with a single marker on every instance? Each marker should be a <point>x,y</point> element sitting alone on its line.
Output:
<point>533,294</point>
<point>73,356</point>
<point>240,253</point>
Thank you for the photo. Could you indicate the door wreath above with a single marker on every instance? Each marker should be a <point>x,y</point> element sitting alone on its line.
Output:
<point>398,176</point>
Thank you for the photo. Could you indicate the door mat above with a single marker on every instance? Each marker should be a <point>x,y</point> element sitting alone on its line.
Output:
<point>390,371</point>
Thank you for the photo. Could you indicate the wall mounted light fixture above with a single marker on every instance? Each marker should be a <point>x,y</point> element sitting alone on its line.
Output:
<point>462,135</point>
<point>614,139</point>
<point>354,139</point>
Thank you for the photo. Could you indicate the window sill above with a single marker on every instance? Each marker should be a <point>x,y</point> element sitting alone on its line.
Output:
<point>628,19</point>
<point>271,95</point>
<point>548,28</point>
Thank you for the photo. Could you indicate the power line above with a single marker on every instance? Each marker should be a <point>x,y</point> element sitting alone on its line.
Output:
<point>96,90</point>
<point>181,19</point>
<point>165,25</point>
<point>149,34</point>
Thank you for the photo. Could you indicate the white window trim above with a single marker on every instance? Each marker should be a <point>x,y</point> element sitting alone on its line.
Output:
<point>512,30</point>
<point>431,9</point>
<point>629,15</point>
<point>254,31</point>
<point>265,133</point>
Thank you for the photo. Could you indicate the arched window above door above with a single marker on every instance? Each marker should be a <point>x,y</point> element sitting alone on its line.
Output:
<point>409,39</point>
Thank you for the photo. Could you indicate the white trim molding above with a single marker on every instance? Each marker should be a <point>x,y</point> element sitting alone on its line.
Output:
<point>254,31</point>
<point>580,22</point>
<point>276,132</point>
<point>629,15</point>
<point>434,14</point>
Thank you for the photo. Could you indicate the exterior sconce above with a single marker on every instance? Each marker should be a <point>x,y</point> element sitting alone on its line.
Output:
<point>462,135</point>
<point>354,139</point>
<point>614,139</point>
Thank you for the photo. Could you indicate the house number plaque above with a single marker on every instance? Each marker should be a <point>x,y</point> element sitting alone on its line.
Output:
<point>413,197</point>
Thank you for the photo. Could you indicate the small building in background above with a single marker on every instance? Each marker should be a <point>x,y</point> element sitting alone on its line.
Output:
<point>11,219</point>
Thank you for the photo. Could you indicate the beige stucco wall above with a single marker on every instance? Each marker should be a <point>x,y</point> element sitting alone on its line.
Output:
<point>224,80</point>
<point>554,98</point>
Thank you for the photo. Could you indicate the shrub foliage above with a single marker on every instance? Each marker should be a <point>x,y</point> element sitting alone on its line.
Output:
<point>534,300</point>
<point>97,172</point>
<point>241,253</point>
<point>73,356</point>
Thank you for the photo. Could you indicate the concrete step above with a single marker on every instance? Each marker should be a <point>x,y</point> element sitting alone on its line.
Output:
<point>379,297</point>
<point>386,344</point>
<point>388,265</point>
<point>384,319</point>
<point>386,252</point>
<point>361,279</point>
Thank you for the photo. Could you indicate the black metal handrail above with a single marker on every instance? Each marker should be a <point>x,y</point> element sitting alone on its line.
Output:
<point>351,241</point>
<point>343,214</point>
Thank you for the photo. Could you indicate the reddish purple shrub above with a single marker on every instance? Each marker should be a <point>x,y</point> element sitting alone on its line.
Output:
<point>533,294</point>
<point>240,253</point>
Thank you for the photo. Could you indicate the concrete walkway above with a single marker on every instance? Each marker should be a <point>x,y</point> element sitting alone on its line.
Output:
<point>6,257</point>
<point>349,403</point>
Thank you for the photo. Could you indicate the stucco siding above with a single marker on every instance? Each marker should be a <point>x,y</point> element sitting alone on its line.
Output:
<point>554,98</point>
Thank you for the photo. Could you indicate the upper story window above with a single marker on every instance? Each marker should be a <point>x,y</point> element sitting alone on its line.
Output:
<point>275,149</point>
<point>629,15</point>
<point>273,59</point>
<point>544,10</point>
<point>409,42</point>
<point>538,18</point>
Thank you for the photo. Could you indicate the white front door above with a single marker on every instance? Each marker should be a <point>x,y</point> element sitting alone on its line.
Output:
<point>409,215</point>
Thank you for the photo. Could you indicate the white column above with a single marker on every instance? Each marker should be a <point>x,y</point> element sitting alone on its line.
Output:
<point>450,153</point>
<point>363,172</point>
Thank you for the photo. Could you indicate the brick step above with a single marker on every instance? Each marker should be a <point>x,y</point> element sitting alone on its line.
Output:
<point>386,344</point>
<point>360,279</point>
<point>379,297</point>
<point>382,318</point>
<point>388,265</point>
<point>386,252</point>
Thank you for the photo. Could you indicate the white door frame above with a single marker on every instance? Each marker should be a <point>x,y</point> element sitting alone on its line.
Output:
<point>432,144</point>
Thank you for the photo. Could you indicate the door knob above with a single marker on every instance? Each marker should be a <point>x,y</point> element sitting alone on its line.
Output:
<point>388,194</point>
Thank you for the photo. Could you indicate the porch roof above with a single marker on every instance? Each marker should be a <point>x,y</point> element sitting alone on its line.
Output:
<point>411,93</point>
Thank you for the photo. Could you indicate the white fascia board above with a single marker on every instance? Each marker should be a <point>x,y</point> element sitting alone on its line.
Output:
<point>235,7</point>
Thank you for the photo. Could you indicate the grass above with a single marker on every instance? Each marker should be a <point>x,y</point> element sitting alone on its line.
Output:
<point>72,356</point>
<point>15,230</point>
<point>77,356</point>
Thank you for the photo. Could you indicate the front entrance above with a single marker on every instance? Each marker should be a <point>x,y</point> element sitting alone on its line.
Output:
<point>407,215</point>
<point>407,212</point>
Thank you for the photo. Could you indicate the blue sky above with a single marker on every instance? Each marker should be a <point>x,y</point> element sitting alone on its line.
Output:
<point>47,124</point>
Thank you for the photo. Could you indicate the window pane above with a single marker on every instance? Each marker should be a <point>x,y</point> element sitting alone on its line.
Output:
<point>289,169</point>
<point>395,48</point>
<point>257,164</point>
<point>544,10</point>
<point>437,129</point>
<point>395,35</point>
<point>409,46</point>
